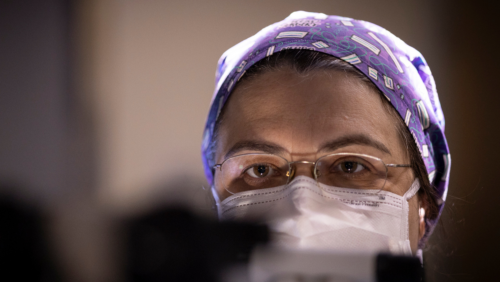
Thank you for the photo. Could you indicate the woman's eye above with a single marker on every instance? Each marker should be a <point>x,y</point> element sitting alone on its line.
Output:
<point>351,167</point>
<point>260,171</point>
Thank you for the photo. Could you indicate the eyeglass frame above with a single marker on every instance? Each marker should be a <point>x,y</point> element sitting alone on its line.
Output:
<point>290,174</point>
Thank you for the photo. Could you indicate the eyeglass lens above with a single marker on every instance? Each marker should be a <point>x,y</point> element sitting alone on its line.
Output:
<point>260,171</point>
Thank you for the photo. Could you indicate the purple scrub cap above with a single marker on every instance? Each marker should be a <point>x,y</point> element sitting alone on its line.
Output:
<point>398,70</point>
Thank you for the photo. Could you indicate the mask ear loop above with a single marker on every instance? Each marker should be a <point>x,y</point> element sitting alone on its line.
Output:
<point>420,254</point>
<point>415,186</point>
<point>217,200</point>
<point>215,194</point>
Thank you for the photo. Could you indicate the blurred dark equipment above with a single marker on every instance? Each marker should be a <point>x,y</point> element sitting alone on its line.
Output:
<point>175,245</point>
<point>25,254</point>
<point>399,268</point>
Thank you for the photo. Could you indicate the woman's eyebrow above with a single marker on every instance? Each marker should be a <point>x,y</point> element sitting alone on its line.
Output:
<point>249,145</point>
<point>357,139</point>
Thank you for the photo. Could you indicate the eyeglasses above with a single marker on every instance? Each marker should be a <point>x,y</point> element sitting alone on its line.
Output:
<point>256,171</point>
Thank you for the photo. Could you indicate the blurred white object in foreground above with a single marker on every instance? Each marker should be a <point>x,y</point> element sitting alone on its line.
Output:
<point>279,265</point>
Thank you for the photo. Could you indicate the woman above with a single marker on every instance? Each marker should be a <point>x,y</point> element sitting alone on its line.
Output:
<point>330,131</point>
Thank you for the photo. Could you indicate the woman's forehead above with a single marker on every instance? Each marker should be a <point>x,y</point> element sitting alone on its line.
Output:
<point>291,96</point>
<point>301,113</point>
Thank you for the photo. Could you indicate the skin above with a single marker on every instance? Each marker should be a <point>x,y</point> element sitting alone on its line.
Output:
<point>297,115</point>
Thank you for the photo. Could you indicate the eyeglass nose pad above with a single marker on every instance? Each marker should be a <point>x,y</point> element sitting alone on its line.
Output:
<point>316,173</point>
<point>291,173</point>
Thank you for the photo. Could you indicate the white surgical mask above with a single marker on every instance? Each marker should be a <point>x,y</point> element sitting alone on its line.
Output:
<point>304,215</point>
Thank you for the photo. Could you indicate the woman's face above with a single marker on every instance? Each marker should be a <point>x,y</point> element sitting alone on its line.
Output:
<point>304,117</point>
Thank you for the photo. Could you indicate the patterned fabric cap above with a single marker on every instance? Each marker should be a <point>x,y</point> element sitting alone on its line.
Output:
<point>398,70</point>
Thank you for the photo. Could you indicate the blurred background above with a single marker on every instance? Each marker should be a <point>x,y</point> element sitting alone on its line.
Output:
<point>103,103</point>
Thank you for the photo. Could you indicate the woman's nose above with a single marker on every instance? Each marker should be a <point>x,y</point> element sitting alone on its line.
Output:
<point>303,168</point>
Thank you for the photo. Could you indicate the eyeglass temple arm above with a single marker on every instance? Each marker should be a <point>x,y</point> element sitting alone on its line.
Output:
<point>398,165</point>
